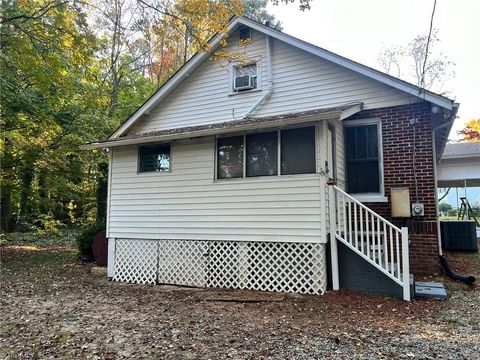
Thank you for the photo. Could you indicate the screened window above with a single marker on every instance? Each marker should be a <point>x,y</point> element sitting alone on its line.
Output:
<point>298,151</point>
<point>258,154</point>
<point>363,165</point>
<point>154,158</point>
<point>262,154</point>
<point>230,157</point>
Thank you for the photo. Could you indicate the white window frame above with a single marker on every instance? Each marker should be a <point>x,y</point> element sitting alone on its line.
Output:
<point>231,76</point>
<point>369,197</point>
<point>279,156</point>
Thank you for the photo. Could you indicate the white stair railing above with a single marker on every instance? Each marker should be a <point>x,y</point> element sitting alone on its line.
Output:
<point>382,244</point>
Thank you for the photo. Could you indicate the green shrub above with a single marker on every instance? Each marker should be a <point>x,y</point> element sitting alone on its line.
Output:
<point>85,239</point>
<point>452,212</point>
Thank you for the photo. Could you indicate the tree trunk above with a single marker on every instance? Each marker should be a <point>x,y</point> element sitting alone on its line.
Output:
<point>42,194</point>
<point>113,96</point>
<point>26,192</point>
<point>5,210</point>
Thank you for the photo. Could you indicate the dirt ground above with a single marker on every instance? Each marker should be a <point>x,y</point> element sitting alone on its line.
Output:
<point>53,306</point>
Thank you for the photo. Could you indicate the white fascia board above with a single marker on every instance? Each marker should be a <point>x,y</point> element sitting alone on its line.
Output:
<point>352,65</point>
<point>351,111</point>
<point>172,83</point>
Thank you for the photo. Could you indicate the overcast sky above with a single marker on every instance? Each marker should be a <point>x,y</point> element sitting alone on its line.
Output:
<point>360,29</point>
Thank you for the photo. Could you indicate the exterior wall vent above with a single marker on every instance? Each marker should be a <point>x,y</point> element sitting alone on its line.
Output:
<point>245,36</point>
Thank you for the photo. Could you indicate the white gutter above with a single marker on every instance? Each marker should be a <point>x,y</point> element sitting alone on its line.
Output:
<point>447,124</point>
<point>270,80</point>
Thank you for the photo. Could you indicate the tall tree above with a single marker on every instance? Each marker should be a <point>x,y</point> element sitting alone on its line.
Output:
<point>71,72</point>
<point>408,62</point>
<point>47,97</point>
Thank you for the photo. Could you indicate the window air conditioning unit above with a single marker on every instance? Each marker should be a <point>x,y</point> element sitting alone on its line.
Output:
<point>243,83</point>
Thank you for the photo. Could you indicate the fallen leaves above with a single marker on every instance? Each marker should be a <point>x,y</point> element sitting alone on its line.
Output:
<point>52,306</point>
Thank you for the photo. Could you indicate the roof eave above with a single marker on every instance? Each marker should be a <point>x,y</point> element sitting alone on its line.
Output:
<point>263,123</point>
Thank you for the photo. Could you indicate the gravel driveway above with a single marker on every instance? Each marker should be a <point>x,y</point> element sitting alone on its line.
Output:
<point>52,306</point>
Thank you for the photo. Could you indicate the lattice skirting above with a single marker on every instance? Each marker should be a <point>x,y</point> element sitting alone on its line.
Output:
<point>268,266</point>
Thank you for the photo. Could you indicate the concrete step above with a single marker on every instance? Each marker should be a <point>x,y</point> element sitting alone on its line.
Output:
<point>430,290</point>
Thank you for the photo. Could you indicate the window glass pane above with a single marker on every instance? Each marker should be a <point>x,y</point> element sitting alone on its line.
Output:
<point>298,151</point>
<point>154,158</point>
<point>363,177</point>
<point>372,142</point>
<point>361,152</point>
<point>230,157</point>
<point>351,143</point>
<point>262,154</point>
<point>246,70</point>
<point>363,174</point>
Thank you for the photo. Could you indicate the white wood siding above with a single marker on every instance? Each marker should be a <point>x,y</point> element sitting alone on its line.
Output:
<point>188,204</point>
<point>301,81</point>
<point>205,97</point>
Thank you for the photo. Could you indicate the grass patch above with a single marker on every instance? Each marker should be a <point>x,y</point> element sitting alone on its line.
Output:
<point>67,237</point>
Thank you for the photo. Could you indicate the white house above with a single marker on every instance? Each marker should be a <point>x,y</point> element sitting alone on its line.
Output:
<point>220,178</point>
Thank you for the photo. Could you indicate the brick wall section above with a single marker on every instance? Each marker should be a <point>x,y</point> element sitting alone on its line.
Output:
<point>397,137</point>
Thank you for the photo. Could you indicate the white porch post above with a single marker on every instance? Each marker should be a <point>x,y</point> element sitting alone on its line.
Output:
<point>333,240</point>
<point>405,265</point>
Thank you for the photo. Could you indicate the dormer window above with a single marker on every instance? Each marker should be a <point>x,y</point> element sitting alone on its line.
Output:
<point>245,35</point>
<point>244,77</point>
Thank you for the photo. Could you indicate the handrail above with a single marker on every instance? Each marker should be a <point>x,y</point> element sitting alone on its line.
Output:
<point>366,207</point>
<point>369,235</point>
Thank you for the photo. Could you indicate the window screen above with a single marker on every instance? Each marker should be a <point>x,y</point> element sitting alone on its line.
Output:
<point>298,151</point>
<point>262,154</point>
<point>154,158</point>
<point>230,157</point>
<point>363,173</point>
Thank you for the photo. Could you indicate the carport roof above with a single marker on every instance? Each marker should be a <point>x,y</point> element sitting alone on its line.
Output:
<point>461,150</point>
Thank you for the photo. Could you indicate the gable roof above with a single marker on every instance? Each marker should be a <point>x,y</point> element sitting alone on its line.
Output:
<point>197,59</point>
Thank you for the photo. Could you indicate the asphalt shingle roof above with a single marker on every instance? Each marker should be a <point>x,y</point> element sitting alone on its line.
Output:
<point>467,149</point>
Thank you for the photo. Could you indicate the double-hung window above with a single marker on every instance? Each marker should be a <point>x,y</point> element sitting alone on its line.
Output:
<point>282,152</point>
<point>363,158</point>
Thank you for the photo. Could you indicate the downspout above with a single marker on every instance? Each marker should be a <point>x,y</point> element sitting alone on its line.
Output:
<point>435,129</point>
<point>469,280</point>
<point>266,95</point>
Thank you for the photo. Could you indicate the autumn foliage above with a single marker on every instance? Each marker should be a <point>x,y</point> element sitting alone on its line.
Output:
<point>471,131</point>
<point>70,73</point>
